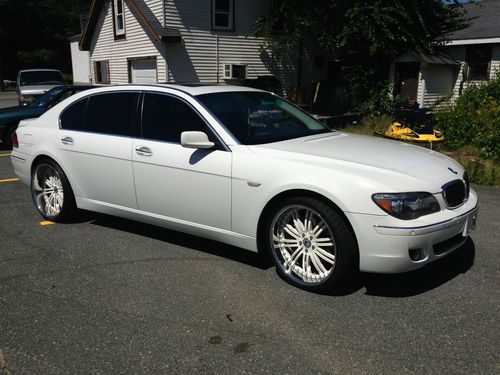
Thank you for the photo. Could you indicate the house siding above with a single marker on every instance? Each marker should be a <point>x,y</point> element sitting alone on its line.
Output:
<point>80,64</point>
<point>495,60</point>
<point>201,56</point>
<point>136,44</point>
<point>438,84</point>
<point>439,81</point>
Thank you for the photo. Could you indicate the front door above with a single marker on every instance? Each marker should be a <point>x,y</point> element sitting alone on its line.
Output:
<point>406,85</point>
<point>191,185</point>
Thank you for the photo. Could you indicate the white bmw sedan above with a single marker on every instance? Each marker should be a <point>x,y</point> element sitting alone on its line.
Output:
<point>246,167</point>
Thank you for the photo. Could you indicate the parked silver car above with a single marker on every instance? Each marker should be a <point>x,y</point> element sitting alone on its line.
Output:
<point>33,83</point>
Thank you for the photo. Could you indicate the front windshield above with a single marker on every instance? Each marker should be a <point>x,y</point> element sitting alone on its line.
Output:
<point>48,97</point>
<point>43,77</point>
<point>260,117</point>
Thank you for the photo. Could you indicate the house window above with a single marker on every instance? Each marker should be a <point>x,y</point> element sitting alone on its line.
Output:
<point>478,58</point>
<point>222,14</point>
<point>118,18</point>
<point>101,70</point>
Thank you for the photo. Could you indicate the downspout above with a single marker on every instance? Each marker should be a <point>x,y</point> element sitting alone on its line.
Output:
<point>167,76</point>
<point>91,76</point>
<point>164,13</point>
<point>217,56</point>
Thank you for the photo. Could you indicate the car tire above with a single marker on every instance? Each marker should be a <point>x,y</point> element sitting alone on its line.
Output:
<point>312,246</point>
<point>51,192</point>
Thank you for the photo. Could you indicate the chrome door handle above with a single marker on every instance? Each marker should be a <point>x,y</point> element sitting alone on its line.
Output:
<point>67,140</point>
<point>143,151</point>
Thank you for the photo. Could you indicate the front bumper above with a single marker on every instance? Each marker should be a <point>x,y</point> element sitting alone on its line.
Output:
<point>386,246</point>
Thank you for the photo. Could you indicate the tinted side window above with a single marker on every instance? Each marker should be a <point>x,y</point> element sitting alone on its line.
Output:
<point>111,113</point>
<point>72,117</point>
<point>164,118</point>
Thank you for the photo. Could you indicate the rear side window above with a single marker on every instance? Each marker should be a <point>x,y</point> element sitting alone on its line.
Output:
<point>72,117</point>
<point>111,113</point>
<point>164,118</point>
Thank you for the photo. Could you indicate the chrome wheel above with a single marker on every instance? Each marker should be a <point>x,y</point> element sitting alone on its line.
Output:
<point>47,190</point>
<point>303,245</point>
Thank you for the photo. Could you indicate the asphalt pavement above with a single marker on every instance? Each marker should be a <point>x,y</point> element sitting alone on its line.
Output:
<point>111,296</point>
<point>8,99</point>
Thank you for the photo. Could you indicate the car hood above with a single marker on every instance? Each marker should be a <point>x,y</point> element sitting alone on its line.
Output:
<point>369,152</point>
<point>37,89</point>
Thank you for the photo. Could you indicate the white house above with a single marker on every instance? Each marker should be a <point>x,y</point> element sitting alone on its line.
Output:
<point>470,56</point>
<point>207,41</point>
<point>80,61</point>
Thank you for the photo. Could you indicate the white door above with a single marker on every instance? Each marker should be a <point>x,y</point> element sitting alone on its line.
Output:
<point>191,185</point>
<point>143,71</point>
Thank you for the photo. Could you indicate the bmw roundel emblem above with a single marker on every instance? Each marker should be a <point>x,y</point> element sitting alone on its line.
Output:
<point>452,170</point>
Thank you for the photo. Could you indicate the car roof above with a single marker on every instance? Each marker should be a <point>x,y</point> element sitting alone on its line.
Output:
<point>189,90</point>
<point>70,87</point>
<point>197,88</point>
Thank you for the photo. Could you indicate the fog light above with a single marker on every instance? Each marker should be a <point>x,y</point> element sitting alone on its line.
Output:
<point>417,254</point>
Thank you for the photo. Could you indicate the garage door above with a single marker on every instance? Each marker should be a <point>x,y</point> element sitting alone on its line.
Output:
<point>143,71</point>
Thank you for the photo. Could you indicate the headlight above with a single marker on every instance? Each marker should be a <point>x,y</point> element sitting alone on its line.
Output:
<point>407,206</point>
<point>26,98</point>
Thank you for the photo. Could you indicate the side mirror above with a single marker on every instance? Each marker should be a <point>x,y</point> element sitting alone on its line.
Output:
<point>195,140</point>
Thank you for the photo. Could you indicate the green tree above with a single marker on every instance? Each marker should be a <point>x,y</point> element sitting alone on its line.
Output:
<point>364,35</point>
<point>33,33</point>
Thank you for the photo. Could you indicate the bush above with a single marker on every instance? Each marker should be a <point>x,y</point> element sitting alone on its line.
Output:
<point>474,120</point>
<point>379,101</point>
<point>68,78</point>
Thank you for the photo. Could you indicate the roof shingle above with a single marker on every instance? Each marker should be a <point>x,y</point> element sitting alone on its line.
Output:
<point>485,22</point>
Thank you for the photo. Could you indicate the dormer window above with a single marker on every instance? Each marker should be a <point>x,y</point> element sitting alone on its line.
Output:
<point>119,18</point>
<point>223,14</point>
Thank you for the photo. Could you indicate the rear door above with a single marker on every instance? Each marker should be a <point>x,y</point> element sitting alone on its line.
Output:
<point>96,137</point>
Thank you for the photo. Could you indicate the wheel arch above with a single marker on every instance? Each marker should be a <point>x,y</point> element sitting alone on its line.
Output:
<point>294,193</point>
<point>12,125</point>
<point>40,157</point>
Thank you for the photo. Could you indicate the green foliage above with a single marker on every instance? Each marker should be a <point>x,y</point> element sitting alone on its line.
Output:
<point>481,172</point>
<point>364,35</point>
<point>369,124</point>
<point>475,119</point>
<point>38,57</point>
<point>34,34</point>
<point>68,78</point>
<point>378,100</point>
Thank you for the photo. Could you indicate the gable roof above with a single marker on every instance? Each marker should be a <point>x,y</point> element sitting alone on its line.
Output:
<point>485,22</point>
<point>153,29</point>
